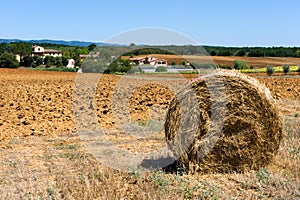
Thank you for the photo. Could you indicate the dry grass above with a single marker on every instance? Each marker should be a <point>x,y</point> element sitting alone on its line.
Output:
<point>60,168</point>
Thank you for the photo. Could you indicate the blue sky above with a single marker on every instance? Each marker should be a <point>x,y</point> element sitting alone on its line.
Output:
<point>215,22</point>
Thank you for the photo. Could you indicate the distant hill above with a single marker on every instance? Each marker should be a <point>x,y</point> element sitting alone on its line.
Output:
<point>62,42</point>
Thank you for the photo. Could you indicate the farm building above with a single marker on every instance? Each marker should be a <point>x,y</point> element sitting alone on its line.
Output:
<point>149,60</point>
<point>92,56</point>
<point>42,52</point>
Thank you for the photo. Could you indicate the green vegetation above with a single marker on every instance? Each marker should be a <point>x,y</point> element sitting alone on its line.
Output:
<point>225,66</point>
<point>270,70</point>
<point>8,60</point>
<point>148,50</point>
<point>161,69</point>
<point>24,50</point>
<point>107,54</point>
<point>217,51</point>
<point>254,51</point>
<point>286,69</point>
<point>135,70</point>
<point>277,69</point>
<point>91,47</point>
<point>240,64</point>
<point>241,52</point>
<point>57,69</point>
<point>117,66</point>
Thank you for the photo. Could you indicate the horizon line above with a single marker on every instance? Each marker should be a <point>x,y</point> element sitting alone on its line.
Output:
<point>208,45</point>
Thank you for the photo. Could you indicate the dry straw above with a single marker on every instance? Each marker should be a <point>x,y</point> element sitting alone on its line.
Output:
<point>251,129</point>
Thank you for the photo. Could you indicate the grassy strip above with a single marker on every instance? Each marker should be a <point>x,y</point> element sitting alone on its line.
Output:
<point>58,69</point>
<point>263,70</point>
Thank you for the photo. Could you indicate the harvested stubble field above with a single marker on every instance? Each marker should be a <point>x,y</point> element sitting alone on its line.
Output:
<point>256,62</point>
<point>42,156</point>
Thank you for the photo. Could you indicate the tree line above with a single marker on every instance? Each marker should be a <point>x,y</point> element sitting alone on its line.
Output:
<point>254,51</point>
<point>9,50</point>
<point>233,51</point>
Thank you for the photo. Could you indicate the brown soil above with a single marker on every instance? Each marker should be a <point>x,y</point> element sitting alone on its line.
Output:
<point>40,102</point>
<point>283,87</point>
<point>35,103</point>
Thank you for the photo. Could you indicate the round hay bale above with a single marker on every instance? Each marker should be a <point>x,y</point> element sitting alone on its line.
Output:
<point>245,137</point>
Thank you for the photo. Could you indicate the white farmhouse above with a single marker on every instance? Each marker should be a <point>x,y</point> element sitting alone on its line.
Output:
<point>149,60</point>
<point>42,52</point>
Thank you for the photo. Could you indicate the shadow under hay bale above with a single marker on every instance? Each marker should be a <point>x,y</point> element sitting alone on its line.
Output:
<point>249,132</point>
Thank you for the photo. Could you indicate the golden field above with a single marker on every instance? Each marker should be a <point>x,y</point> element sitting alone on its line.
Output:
<point>256,62</point>
<point>42,156</point>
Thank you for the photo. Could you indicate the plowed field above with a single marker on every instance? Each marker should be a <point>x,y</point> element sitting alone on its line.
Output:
<point>40,102</point>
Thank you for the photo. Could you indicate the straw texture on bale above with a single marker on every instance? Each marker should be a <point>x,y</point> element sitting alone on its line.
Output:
<point>250,131</point>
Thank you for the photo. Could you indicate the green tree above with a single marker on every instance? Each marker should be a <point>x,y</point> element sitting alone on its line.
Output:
<point>213,53</point>
<point>84,51</point>
<point>21,48</point>
<point>35,58</point>
<point>223,52</point>
<point>270,70</point>
<point>240,64</point>
<point>119,65</point>
<point>286,69</point>
<point>27,61</point>
<point>132,45</point>
<point>33,65</point>
<point>47,60</point>
<point>91,47</point>
<point>65,61</point>
<point>241,52</point>
<point>123,68</point>
<point>256,53</point>
<point>123,65</point>
<point>75,53</point>
<point>4,48</point>
<point>8,60</point>
<point>58,61</point>
<point>52,60</point>
<point>67,54</point>
<point>39,61</point>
